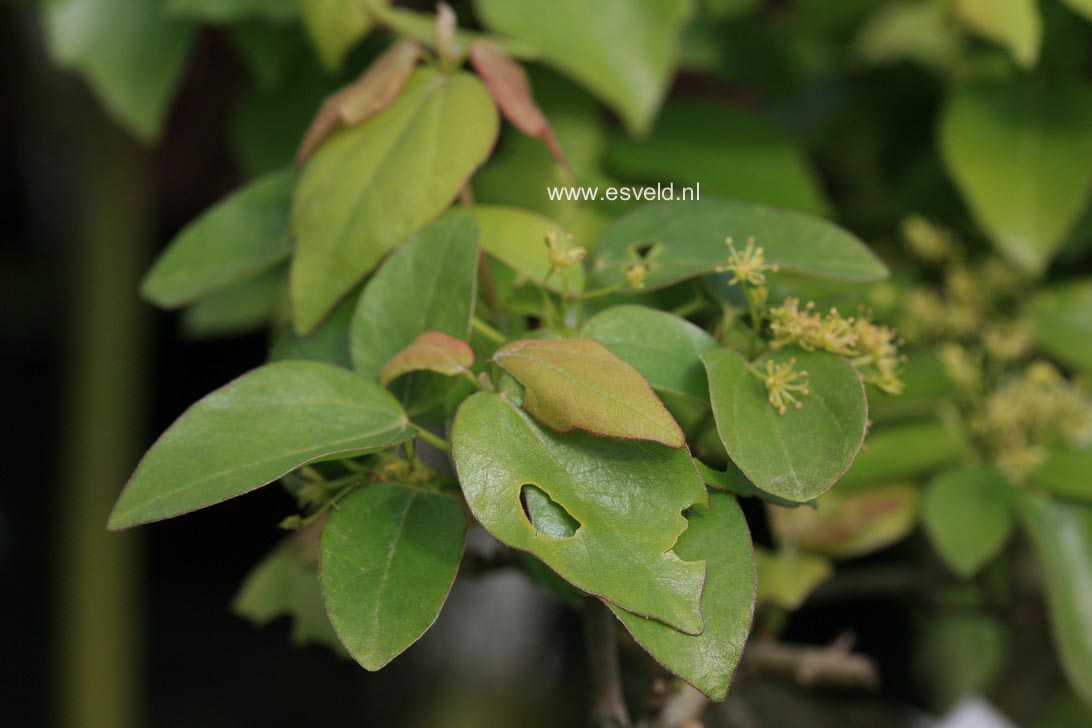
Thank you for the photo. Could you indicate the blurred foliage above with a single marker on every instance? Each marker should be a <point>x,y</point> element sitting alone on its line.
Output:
<point>953,135</point>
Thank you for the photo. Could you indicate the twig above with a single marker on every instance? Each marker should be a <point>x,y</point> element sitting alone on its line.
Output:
<point>609,705</point>
<point>835,664</point>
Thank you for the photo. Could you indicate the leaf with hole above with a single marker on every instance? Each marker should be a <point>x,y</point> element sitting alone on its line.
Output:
<point>390,553</point>
<point>680,246</point>
<point>370,187</point>
<point>579,383</point>
<point>627,497</point>
<point>719,536</point>
<point>800,454</point>
<point>252,431</point>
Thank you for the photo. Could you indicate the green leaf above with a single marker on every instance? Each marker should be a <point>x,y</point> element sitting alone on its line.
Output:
<point>517,238</point>
<point>335,26</point>
<point>802,453</point>
<point>285,583</point>
<point>916,31</point>
<point>432,351</point>
<point>1013,24</point>
<point>787,578</point>
<point>579,383</point>
<point>1061,535</point>
<point>623,51</point>
<point>328,342</point>
<point>719,536</point>
<point>904,450</point>
<point>1082,7</point>
<point>428,284</point>
<point>1062,318</point>
<point>1065,473</point>
<point>237,309</point>
<point>244,234</point>
<point>967,514</point>
<point>232,11</point>
<point>390,553</point>
<point>959,654</point>
<point>131,52</point>
<point>845,526</point>
<point>369,187</point>
<point>627,496</point>
<point>665,349</point>
<point>729,152</point>
<point>252,431</point>
<point>687,240</point>
<point>735,482</point>
<point>1022,159</point>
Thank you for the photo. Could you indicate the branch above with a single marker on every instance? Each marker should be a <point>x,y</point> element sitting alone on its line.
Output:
<point>835,664</point>
<point>609,705</point>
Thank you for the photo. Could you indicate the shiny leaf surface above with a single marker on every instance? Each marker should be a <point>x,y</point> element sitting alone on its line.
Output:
<point>686,245</point>
<point>800,454</point>
<point>664,348</point>
<point>719,536</point>
<point>252,431</point>
<point>390,553</point>
<point>353,203</point>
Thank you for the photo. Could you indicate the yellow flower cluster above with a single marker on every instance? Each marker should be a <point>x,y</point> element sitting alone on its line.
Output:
<point>747,266</point>
<point>1031,412</point>
<point>783,383</point>
<point>926,240</point>
<point>563,255</point>
<point>872,348</point>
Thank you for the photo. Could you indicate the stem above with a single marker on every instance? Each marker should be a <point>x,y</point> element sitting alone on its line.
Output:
<point>437,442</point>
<point>691,308</point>
<point>98,623</point>
<point>609,704</point>
<point>488,331</point>
<point>600,292</point>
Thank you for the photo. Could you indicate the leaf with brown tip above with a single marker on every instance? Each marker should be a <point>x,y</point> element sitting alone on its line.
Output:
<point>369,94</point>
<point>579,383</point>
<point>432,351</point>
<point>508,85</point>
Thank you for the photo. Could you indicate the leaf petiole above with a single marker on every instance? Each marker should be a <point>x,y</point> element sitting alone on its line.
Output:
<point>438,442</point>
